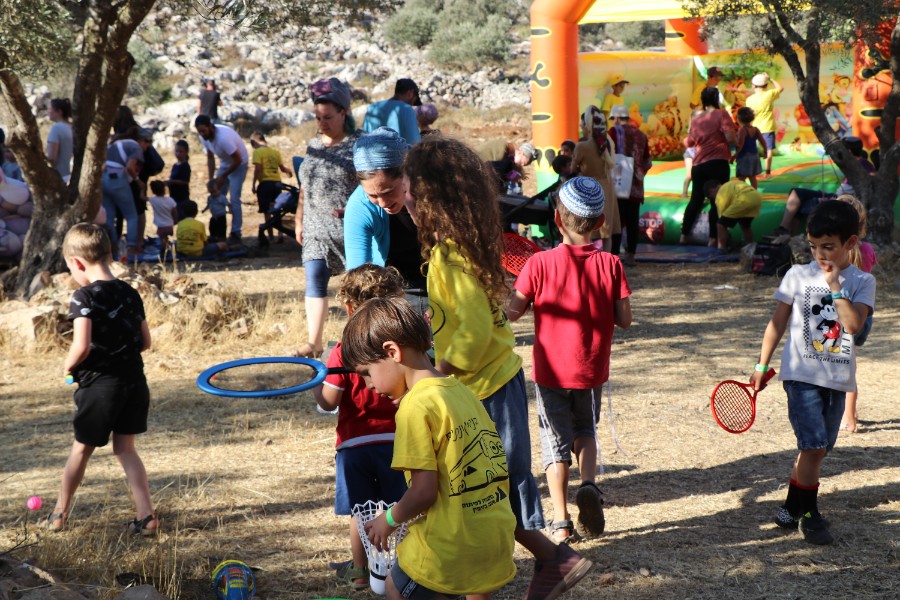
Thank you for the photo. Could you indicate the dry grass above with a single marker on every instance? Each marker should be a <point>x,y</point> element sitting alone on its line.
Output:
<point>688,505</point>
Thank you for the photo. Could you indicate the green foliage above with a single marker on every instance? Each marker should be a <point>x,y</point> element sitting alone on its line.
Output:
<point>637,35</point>
<point>271,14</point>
<point>590,36</point>
<point>35,36</point>
<point>146,83</point>
<point>471,42</point>
<point>414,25</point>
<point>459,32</point>
<point>828,21</point>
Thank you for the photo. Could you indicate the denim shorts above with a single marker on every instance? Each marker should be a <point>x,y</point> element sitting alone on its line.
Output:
<point>770,140</point>
<point>508,408</point>
<point>410,589</point>
<point>815,413</point>
<point>364,473</point>
<point>564,416</point>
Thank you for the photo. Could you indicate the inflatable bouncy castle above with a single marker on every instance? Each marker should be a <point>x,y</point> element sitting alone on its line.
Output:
<point>854,84</point>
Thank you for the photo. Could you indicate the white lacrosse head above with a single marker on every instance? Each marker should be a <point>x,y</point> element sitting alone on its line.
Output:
<point>380,561</point>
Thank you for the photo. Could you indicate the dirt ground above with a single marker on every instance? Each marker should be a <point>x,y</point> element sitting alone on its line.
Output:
<point>689,506</point>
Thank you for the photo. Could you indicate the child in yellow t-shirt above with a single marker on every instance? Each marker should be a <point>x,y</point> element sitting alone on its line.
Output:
<point>267,169</point>
<point>190,235</point>
<point>454,461</point>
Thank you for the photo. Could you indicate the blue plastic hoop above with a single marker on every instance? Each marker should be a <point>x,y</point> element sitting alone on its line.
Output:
<point>321,372</point>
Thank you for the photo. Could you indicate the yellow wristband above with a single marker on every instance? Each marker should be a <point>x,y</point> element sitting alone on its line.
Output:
<point>761,368</point>
<point>389,518</point>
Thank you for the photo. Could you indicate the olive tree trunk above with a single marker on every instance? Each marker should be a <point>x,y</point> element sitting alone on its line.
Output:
<point>877,192</point>
<point>100,85</point>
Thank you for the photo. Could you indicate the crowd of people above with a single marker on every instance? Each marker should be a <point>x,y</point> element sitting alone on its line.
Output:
<point>410,220</point>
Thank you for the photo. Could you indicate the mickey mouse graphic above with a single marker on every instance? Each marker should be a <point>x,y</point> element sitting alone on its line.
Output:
<point>829,326</point>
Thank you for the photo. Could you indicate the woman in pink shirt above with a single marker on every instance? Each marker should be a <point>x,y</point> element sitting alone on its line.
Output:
<point>712,134</point>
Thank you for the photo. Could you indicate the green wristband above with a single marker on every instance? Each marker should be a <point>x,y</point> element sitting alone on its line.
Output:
<point>390,519</point>
<point>761,368</point>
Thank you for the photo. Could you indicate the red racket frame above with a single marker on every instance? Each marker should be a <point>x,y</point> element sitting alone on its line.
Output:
<point>516,252</point>
<point>743,395</point>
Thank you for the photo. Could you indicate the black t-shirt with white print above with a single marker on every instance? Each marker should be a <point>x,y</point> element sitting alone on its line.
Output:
<point>116,312</point>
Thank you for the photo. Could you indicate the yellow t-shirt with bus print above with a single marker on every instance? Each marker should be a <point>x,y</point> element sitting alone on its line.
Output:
<point>464,542</point>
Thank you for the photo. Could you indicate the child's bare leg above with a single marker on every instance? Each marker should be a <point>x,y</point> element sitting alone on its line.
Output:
<point>753,182</point>
<point>688,165</point>
<point>73,473</point>
<point>357,550</point>
<point>558,485</point>
<point>769,161</point>
<point>540,546</point>
<point>123,448</point>
<point>585,449</point>
<point>791,208</point>
<point>722,239</point>
<point>848,422</point>
<point>748,234</point>
<point>807,467</point>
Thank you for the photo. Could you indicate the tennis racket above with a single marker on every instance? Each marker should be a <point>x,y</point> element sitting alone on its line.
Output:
<point>264,377</point>
<point>516,252</point>
<point>733,403</point>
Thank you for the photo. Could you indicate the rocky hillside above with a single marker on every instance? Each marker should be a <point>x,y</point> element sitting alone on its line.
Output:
<point>266,78</point>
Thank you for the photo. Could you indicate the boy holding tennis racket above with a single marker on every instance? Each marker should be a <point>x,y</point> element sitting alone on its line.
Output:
<point>109,332</point>
<point>365,427</point>
<point>569,384</point>
<point>454,461</point>
<point>824,303</point>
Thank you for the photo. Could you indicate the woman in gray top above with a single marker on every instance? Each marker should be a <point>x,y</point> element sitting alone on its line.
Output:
<point>327,178</point>
<point>59,141</point>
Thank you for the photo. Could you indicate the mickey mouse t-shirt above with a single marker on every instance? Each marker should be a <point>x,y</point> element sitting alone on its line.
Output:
<point>818,350</point>
<point>116,312</point>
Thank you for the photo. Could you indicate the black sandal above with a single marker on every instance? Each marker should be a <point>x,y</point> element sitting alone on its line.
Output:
<point>55,522</point>
<point>566,527</point>
<point>136,526</point>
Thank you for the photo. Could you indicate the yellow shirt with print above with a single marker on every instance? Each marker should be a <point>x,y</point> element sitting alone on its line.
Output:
<point>190,237</point>
<point>464,542</point>
<point>270,159</point>
<point>737,200</point>
<point>469,333</point>
<point>762,104</point>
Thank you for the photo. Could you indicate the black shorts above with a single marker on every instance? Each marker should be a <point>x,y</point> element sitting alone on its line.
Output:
<point>266,192</point>
<point>729,222</point>
<point>107,404</point>
<point>809,199</point>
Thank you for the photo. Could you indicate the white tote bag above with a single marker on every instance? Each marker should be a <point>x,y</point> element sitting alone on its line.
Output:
<point>623,175</point>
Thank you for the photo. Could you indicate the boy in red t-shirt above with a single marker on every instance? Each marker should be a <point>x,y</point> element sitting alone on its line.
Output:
<point>365,428</point>
<point>569,377</point>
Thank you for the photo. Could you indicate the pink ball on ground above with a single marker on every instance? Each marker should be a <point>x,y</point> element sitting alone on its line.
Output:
<point>34,503</point>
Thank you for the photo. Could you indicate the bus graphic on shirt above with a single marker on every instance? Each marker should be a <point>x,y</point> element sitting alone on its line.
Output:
<point>483,462</point>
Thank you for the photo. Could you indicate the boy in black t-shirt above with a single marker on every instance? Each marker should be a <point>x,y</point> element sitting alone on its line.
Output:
<point>179,182</point>
<point>109,334</point>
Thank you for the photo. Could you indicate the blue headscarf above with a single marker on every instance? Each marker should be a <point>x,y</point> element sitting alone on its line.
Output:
<point>378,150</point>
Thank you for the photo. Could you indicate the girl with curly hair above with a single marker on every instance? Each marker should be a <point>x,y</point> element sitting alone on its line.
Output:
<point>452,196</point>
